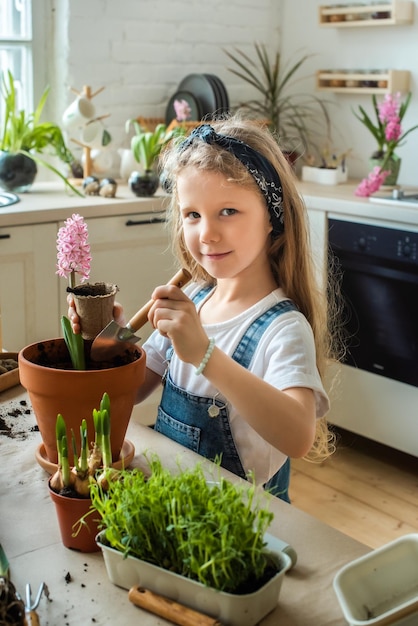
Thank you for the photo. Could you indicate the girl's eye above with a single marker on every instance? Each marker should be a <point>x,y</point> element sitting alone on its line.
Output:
<point>192,215</point>
<point>228,211</point>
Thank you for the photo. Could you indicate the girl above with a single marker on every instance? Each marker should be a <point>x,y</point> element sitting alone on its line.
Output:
<point>242,350</point>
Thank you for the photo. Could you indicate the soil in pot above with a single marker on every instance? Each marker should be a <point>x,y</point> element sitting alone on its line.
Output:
<point>55,356</point>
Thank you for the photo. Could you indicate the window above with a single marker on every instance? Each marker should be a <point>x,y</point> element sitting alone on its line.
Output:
<point>16,43</point>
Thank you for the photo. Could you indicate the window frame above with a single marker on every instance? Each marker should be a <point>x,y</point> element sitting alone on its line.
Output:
<point>36,45</point>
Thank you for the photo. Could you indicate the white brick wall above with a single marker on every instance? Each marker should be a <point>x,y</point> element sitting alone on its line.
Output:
<point>141,49</point>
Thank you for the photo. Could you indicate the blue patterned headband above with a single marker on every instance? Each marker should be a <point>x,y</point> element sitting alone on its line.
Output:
<point>258,166</point>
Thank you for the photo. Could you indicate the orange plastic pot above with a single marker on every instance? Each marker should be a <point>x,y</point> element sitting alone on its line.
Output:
<point>75,393</point>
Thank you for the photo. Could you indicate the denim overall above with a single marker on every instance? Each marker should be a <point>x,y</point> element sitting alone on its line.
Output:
<point>185,418</point>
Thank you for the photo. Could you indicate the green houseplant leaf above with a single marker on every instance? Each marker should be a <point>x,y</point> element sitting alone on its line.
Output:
<point>74,343</point>
<point>146,145</point>
<point>296,118</point>
<point>24,133</point>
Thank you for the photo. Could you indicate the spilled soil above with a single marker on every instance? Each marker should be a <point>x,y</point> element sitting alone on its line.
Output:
<point>16,419</point>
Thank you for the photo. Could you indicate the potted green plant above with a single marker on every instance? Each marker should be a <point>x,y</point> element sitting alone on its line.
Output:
<point>23,137</point>
<point>146,146</point>
<point>329,168</point>
<point>389,134</point>
<point>203,542</point>
<point>59,372</point>
<point>69,486</point>
<point>297,119</point>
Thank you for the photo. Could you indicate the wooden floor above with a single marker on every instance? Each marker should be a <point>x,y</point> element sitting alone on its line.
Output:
<point>366,490</point>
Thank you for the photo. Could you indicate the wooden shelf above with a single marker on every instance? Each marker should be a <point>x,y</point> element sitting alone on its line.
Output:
<point>378,82</point>
<point>397,12</point>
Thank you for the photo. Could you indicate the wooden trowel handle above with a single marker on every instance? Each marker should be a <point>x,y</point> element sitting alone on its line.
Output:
<point>168,609</point>
<point>141,317</point>
<point>31,618</point>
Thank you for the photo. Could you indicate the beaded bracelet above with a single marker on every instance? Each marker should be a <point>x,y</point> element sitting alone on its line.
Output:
<point>206,357</point>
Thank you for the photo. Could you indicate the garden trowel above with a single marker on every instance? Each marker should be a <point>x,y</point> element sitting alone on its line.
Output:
<point>110,341</point>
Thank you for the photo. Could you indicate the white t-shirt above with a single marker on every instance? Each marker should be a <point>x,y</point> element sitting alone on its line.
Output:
<point>284,357</point>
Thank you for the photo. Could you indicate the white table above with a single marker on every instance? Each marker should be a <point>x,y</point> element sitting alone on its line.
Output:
<point>30,536</point>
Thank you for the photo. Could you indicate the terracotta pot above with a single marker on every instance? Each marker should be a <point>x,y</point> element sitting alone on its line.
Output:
<point>75,393</point>
<point>69,511</point>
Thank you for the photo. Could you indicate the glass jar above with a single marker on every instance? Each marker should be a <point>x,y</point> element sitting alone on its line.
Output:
<point>369,82</point>
<point>337,81</point>
<point>337,17</point>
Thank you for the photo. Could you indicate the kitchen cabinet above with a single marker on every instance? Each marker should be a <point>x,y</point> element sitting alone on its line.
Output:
<point>363,402</point>
<point>28,284</point>
<point>397,12</point>
<point>129,246</point>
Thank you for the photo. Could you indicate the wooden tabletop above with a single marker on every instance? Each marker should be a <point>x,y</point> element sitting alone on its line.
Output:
<point>80,591</point>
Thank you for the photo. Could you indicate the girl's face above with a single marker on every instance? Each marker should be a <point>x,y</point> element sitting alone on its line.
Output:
<point>226,227</point>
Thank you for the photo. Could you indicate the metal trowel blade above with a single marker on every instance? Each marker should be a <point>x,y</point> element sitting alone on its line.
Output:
<point>112,341</point>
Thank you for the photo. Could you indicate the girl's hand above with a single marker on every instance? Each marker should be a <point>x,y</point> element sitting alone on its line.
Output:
<point>174,315</point>
<point>118,315</point>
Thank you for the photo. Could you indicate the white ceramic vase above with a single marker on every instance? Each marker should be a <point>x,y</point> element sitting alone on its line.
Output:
<point>127,163</point>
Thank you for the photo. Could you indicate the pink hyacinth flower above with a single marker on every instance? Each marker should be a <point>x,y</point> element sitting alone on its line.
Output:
<point>372,183</point>
<point>73,249</point>
<point>182,109</point>
<point>393,130</point>
<point>389,108</point>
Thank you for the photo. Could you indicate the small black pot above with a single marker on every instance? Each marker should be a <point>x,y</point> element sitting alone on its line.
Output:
<point>144,184</point>
<point>17,172</point>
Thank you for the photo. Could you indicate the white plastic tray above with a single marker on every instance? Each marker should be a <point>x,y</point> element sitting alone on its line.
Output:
<point>234,610</point>
<point>382,586</point>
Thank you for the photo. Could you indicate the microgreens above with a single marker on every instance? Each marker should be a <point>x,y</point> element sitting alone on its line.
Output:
<point>212,532</point>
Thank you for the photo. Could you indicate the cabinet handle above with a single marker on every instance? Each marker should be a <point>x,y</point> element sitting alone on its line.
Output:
<point>4,236</point>
<point>150,220</point>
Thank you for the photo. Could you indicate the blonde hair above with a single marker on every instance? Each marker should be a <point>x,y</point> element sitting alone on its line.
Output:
<point>290,253</point>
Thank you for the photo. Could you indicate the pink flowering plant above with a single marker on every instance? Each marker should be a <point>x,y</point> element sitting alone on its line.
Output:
<point>182,110</point>
<point>73,258</point>
<point>389,134</point>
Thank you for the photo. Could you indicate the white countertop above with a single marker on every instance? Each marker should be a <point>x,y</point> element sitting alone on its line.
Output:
<point>50,202</point>
<point>342,199</point>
